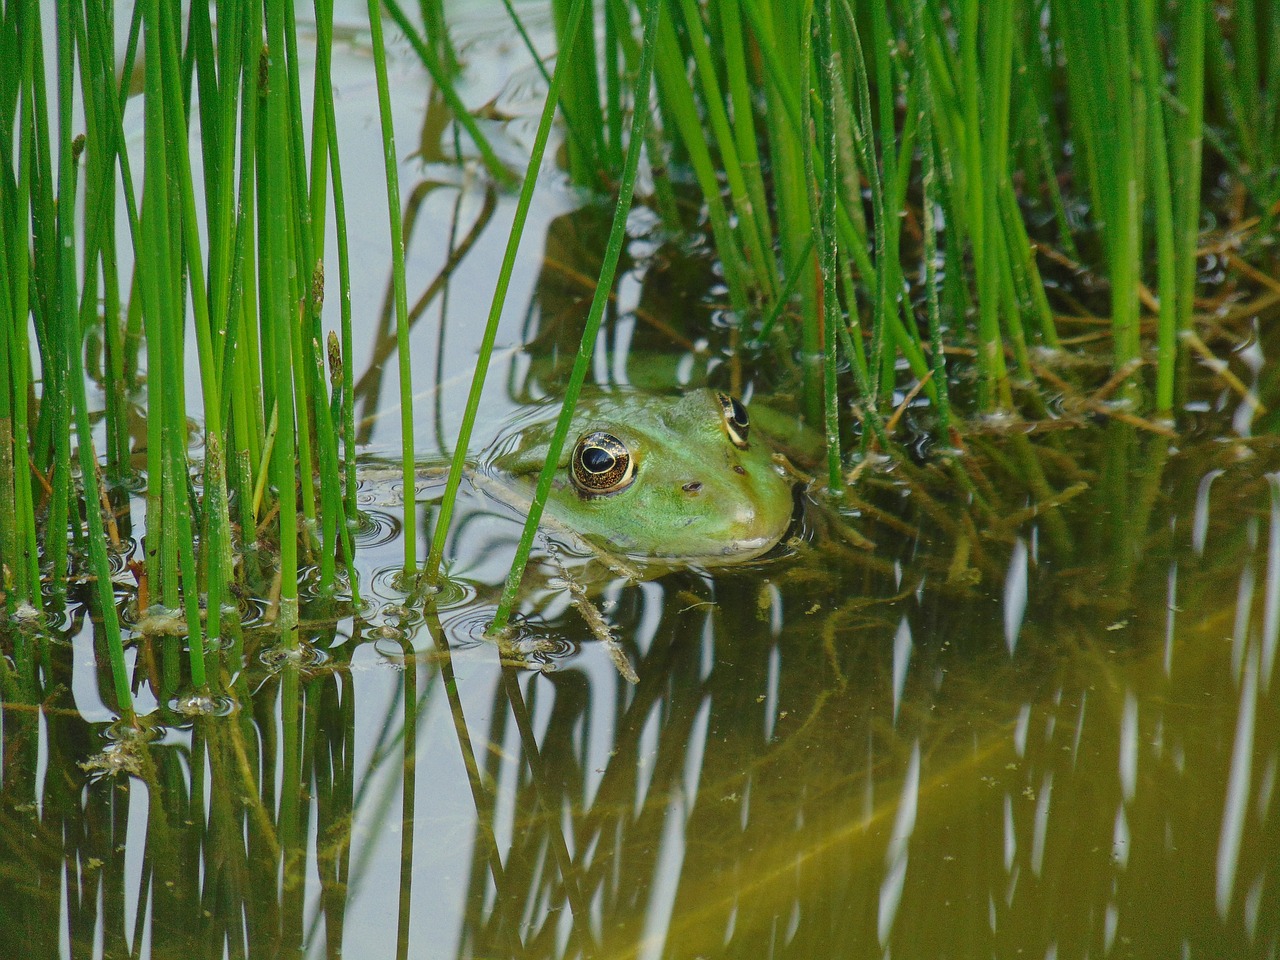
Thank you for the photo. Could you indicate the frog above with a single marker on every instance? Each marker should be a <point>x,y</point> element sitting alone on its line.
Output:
<point>678,480</point>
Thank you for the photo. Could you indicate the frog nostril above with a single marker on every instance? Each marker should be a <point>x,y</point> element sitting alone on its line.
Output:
<point>739,469</point>
<point>693,486</point>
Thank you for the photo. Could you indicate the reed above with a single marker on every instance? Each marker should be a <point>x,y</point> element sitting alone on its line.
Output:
<point>987,119</point>
<point>236,280</point>
<point>608,268</point>
<point>883,183</point>
<point>458,463</point>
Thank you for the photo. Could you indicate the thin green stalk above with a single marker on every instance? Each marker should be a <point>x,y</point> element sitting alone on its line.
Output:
<point>307,333</point>
<point>458,464</point>
<point>53,428</point>
<point>224,223</point>
<point>608,269</point>
<point>244,386</point>
<point>580,101</point>
<point>9,529</point>
<point>347,511</point>
<point>72,340</point>
<point>788,288</point>
<point>441,79</point>
<point>682,111</point>
<point>279,265</point>
<point>786,157</point>
<point>612,84</point>
<point>19,259</point>
<point>1167,326</point>
<point>756,240</point>
<point>825,216</point>
<point>888,228</point>
<point>885,303</point>
<point>811,327</point>
<point>572,128</point>
<point>410,533</point>
<point>983,161</point>
<point>929,201</point>
<point>1186,153</point>
<point>217,533</point>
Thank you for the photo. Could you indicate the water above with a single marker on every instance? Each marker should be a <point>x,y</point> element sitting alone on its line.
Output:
<point>942,724</point>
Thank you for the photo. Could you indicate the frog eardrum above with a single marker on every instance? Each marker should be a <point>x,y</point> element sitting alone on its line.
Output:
<point>601,464</point>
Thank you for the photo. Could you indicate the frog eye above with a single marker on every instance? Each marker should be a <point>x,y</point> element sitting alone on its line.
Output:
<point>601,464</point>
<point>736,421</point>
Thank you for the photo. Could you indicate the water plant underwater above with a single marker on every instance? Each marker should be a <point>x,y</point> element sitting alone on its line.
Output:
<point>892,193</point>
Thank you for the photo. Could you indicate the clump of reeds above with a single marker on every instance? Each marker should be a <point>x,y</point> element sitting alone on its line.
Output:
<point>876,181</point>
<point>237,280</point>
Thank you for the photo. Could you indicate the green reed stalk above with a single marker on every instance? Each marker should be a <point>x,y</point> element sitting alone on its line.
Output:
<point>167,470</point>
<point>742,102</point>
<point>397,273</point>
<point>246,389</point>
<point>72,340</point>
<point>1249,81</point>
<point>9,528</point>
<point>20,273</point>
<point>888,230</point>
<point>580,98</point>
<point>280,317</point>
<point>458,464</point>
<point>997,73</point>
<point>1106,106</point>
<point>930,203</point>
<point>99,96</point>
<point>683,114</point>
<point>440,77</point>
<point>886,311</point>
<point>345,512</point>
<point>220,168</point>
<point>993,386</point>
<point>825,217</point>
<point>1166,265</point>
<point>754,235</point>
<point>777,38</point>
<point>614,107</point>
<point>613,15</point>
<point>156,279</point>
<point>216,536</point>
<point>306,335</point>
<point>1185,156</point>
<point>788,288</point>
<point>1040,130</point>
<point>52,443</point>
<point>608,269</point>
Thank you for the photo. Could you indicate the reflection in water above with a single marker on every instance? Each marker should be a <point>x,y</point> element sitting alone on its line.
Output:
<point>816,761</point>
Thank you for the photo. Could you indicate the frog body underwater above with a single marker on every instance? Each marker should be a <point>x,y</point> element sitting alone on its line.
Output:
<point>674,479</point>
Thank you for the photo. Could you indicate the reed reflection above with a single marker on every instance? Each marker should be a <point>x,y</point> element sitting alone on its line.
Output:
<point>821,751</point>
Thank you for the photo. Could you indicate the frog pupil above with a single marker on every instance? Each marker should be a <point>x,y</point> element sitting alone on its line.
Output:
<point>597,459</point>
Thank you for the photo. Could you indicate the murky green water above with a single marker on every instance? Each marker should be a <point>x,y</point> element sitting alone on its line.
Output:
<point>938,724</point>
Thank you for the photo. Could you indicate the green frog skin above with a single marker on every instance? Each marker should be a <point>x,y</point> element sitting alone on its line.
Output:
<point>677,479</point>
